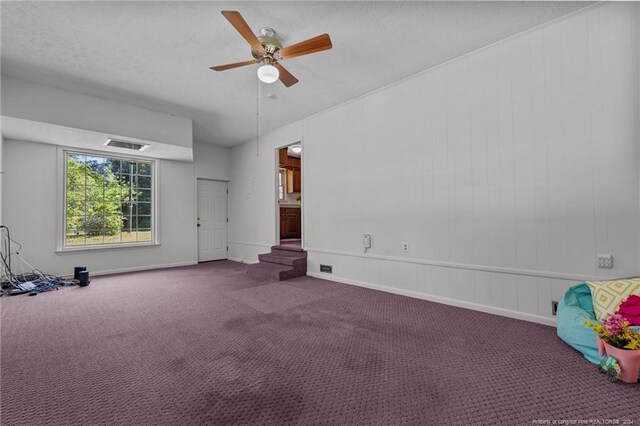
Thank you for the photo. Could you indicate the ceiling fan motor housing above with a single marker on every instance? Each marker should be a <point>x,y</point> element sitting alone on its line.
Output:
<point>271,44</point>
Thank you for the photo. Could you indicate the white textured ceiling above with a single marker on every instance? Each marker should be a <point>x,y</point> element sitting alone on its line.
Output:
<point>156,54</point>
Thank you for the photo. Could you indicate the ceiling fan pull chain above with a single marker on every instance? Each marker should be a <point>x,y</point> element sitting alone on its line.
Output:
<point>258,96</point>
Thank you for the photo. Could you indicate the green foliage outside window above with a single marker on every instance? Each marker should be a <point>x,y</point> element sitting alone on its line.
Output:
<point>108,200</point>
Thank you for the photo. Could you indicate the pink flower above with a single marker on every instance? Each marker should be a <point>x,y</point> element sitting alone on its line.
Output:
<point>614,324</point>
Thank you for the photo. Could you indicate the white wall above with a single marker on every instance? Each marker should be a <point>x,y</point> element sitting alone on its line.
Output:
<point>211,162</point>
<point>30,203</point>
<point>46,104</point>
<point>1,174</point>
<point>515,165</point>
<point>253,208</point>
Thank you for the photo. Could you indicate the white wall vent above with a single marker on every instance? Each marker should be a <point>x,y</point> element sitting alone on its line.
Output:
<point>126,144</point>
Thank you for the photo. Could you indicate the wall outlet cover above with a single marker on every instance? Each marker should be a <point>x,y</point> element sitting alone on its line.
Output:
<point>326,268</point>
<point>405,246</point>
<point>605,261</point>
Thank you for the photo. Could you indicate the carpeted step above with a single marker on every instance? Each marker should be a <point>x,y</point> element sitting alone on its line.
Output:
<point>287,249</point>
<point>295,259</point>
<point>273,271</point>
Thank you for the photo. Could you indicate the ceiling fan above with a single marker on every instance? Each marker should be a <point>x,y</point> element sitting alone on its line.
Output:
<point>267,50</point>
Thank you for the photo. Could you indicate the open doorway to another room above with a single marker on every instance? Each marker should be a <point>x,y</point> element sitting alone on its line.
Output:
<point>289,226</point>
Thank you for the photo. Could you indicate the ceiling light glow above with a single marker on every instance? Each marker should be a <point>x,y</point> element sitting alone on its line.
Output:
<point>268,73</point>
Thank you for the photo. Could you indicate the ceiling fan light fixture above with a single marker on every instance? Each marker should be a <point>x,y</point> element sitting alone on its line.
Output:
<point>268,73</point>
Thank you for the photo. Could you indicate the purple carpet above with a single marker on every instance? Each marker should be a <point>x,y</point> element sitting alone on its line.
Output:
<point>293,243</point>
<point>209,345</point>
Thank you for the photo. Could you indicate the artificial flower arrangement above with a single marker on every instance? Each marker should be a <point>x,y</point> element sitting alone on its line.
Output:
<point>615,331</point>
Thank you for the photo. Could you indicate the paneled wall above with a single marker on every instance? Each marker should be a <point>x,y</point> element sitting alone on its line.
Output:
<point>1,174</point>
<point>506,171</point>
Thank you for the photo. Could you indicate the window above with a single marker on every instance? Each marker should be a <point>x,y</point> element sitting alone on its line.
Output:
<point>282,178</point>
<point>108,200</point>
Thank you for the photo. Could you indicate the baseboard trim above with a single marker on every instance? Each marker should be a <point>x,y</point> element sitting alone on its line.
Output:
<point>237,259</point>
<point>438,299</point>
<point>471,267</point>
<point>142,268</point>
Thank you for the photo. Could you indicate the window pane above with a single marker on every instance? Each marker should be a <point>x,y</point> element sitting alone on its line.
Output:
<point>94,193</point>
<point>75,225</point>
<point>129,236</point>
<point>144,209</point>
<point>93,226</point>
<point>144,181</point>
<point>121,167</point>
<point>96,165</point>
<point>113,239</point>
<point>74,221</point>
<point>128,223</point>
<point>144,235</point>
<point>144,222</point>
<point>112,228</point>
<point>75,172</point>
<point>126,208</point>
<point>74,237</point>
<point>75,207</point>
<point>96,208</point>
<point>112,208</point>
<point>144,169</point>
<point>125,193</point>
<point>96,239</point>
<point>143,195</point>
<point>112,224</point>
<point>125,179</point>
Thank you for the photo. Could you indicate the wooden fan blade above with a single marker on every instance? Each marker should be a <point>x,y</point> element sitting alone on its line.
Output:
<point>234,65</point>
<point>241,26</point>
<point>313,45</point>
<point>285,76</point>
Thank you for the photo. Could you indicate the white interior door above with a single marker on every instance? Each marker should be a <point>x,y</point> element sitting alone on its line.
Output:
<point>212,220</point>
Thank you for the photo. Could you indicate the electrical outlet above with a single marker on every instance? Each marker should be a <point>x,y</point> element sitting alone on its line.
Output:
<point>405,246</point>
<point>554,307</point>
<point>605,261</point>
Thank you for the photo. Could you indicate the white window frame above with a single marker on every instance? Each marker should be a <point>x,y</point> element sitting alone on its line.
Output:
<point>62,201</point>
<point>282,184</point>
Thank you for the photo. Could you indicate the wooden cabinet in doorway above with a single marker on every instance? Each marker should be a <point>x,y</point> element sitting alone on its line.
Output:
<point>290,222</point>
<point>287,161</point>
<point>294,181</point>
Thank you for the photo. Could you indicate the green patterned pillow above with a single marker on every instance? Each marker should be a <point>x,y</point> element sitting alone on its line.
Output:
<point>608,295</point>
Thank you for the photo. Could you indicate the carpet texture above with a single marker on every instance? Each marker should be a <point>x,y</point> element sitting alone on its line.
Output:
<point>293,243</point>
<point>208,345</point>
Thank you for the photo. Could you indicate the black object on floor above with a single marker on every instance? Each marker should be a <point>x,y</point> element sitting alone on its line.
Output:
<point>77,270</point>
<point>83,277</point>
